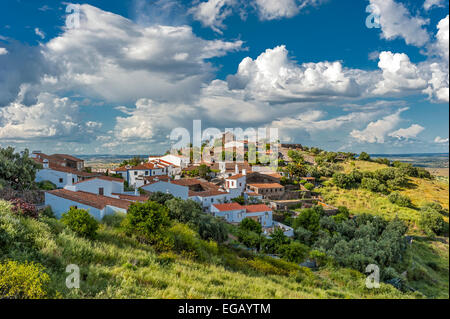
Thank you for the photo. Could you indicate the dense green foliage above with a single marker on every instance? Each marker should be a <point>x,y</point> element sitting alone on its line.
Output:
<point>115,266</point>
<point>399,199</point>
<point>17,169</point>
<point>431,220</point>
<point>80,222</point>
<point>363,240</point>
<point>148,223</point>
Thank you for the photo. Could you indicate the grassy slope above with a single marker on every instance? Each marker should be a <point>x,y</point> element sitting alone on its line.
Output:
<point>113,266</point>
<point>431,282</point>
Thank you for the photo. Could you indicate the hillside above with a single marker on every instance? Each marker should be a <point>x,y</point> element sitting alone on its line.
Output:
<point>424,254</point>
<point>114,266</point>
<point>419,190</point>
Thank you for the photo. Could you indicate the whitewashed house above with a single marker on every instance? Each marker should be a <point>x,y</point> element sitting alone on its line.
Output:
<point>60,175</point>
<point>101,185</point>
<point>202,192</point>
<point>136,175</point>
<point>100,195</point>
<point>237,182</point>
<point>174,159</point>
<point>235,213</point>
<point>61,200</point>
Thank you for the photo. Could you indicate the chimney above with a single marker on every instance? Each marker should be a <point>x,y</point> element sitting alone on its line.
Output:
<point>69,179</point>
<point>45,164</point>
<point>136,193</point>
<point>244,172</point>
<point>236,169</point>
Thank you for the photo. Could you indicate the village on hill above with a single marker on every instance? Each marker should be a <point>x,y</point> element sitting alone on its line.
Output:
<point>231,190</point>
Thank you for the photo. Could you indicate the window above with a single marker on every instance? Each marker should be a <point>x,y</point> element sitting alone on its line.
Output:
<point>101,191</point>
<point>61,180</point>
<point>146,173</point>
<point>73,180</point>
<point>135,173</point>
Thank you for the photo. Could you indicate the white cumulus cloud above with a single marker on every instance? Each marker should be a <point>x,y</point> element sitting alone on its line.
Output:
<point>212,13</point>
<point>407,133</point>
<point>397,22</point>
<point>376,132</point>
<point>441,140</point>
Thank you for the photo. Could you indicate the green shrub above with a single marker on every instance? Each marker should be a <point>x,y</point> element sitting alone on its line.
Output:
<point>432,223</point>
<point>294,252</point>
<point>47,212</point>
<point>364,156</point>
<point>114,220</point>
<point>309,186</point>
<point>160,197</point>
<point>46,185</point>
<point>148,222</point>
<point>210,227</point>
<point>248,224</point>
<point>183,211</point>
<point>399,199</point>
<point>22,280</point>
<point>80,222</point>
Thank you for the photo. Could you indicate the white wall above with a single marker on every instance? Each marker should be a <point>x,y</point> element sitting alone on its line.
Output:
<point>206,202</point>
<point>239,183</point>
<point>165,187</point>
<point>53,176</point>
<point>176,160</point>
<point>236,216</point>
<point>93,185</point>
<point>61,205</point>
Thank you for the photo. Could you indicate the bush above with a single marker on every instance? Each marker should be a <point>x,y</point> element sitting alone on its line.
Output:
<point>80,222</point>
<point>248,224</point>
<point>364,156</point>
<point>183,211</point>
<point>239,200</point>
<point>160,197</point>
<point>114,220</point>
<point>22,281</point>
<point>249,238</point>
<point>46,185</point>
<point>432,223</point>
<point>24,209</point>
<point>210,227</point>
<point>47,212</point>
<point>148,222</point>
<point>399,199</point>
<point>294,252</point>
<point>309,186</point>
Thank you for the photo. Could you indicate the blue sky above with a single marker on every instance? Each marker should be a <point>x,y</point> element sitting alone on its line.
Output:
<point>131,71</point>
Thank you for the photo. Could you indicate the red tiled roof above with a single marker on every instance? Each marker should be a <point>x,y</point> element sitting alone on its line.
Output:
<point>89,199</point>
<point>120,169</point>
<point>133,198</point>
<point>267,185</point>
<point>67,157</point>
<point>237,176</point>
<point>257,208</point>
<point>143,166</point>
<point>228,207</point>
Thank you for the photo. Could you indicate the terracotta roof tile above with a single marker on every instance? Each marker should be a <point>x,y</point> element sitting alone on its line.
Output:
<point>89,199</point>
<point>267,185</point>
<point>228,207</point>
<point>257,208</point>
